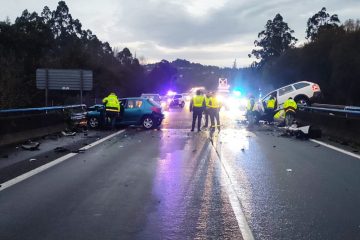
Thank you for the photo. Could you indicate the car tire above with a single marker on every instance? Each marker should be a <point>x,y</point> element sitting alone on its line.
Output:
<point>302,101</point>
<point>182,105</point>
<point>148,122</point>
<point>93,122</point>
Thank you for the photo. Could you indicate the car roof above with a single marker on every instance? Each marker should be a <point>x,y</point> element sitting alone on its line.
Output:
<point>150,94</point>
<point>133,98</point>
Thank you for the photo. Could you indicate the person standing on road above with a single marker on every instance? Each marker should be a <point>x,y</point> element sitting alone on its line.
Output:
<point>251,110</point>
<point>112,109</point>
<point>290,108</point>
<point>214,108</point>
<point>207,109</point>
<point>197,106</point>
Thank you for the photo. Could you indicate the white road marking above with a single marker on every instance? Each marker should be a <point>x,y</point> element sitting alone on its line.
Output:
<point>336,149</point>
<point>52,163</point>
<point>234,199</point>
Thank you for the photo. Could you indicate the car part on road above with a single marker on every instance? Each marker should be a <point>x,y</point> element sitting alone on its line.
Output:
<point>68,134</point>
<point>31,146</point>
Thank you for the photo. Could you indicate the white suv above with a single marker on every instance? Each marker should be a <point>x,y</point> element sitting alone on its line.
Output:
<point>302,92</point>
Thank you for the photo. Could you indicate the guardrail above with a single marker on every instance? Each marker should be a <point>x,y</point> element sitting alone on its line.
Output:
<point>18,125</point>
<point>341,123</point>
<point>346,111</point>
<point>41,109</point>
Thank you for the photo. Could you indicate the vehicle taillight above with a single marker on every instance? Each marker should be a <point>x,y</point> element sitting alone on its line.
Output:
<point>156,109</point>
<point>315,88</point>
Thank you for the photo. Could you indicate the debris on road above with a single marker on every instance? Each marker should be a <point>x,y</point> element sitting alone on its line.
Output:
<point>31,146</point>
<point>32,159</point>
<point>289,170</point>
<point>68,134</point>
<point>274,146</point>
<point>317,145</point>
<point>304,132</point>
<point>61,150</point>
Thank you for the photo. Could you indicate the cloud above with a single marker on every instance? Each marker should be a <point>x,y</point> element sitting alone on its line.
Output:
<point>205,31</point>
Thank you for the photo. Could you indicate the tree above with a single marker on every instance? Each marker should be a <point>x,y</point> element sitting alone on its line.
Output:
<point>351,25</point>
<point>274,40</point>
<point>125,57</point>
<point>320,21</point>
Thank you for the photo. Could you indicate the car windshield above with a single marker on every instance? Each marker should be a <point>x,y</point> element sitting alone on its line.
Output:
<point>155,97</point>
<point>154,103</point>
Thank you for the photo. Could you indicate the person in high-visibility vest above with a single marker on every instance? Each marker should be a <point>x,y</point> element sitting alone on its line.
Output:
<point>207,109</point>
<point>112,107</point>
<point>252,111</point>
<point>270,107</point>
<point>279,117</point>
<point>290,108</point>
<point>197,106</point>
<point>214,108</point>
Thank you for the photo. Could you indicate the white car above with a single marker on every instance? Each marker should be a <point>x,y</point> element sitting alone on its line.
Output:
<point>177,100</point>
<point>157,98</point>
<point>302,92</point>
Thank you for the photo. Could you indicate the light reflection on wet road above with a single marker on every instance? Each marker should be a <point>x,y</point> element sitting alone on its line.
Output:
<point>174,184</point>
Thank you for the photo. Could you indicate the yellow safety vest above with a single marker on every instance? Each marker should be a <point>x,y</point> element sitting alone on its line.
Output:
<point>290,105</point>
<point>112,103</point>
<point>198,101</point>
<point>207,101</point>
<point>248,107</point>
<point>280,115</point>
<point>271,104</point>
<point>214,103</point>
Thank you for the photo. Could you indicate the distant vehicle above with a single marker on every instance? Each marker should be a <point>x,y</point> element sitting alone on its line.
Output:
<point>178,100</point>
<point>304,93</point>
<point>137,111</point>
<point>157,98</point>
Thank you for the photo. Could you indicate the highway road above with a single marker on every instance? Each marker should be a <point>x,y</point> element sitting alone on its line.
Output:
<point>175,184</point>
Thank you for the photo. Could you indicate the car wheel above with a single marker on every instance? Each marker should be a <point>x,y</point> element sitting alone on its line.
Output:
<point>148,122</point>
<point>303,101</point>
<point>182,105</point>
<point>93,122</point>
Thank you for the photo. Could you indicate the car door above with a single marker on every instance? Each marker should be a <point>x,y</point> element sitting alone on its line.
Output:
<point>132,111</point>
<point>283,94</point>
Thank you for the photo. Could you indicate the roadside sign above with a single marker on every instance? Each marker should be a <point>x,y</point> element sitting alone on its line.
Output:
<point>64,79</point>
<point>60,79</point>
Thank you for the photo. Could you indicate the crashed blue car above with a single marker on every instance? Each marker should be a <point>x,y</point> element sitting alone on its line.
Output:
<point>137,111</point>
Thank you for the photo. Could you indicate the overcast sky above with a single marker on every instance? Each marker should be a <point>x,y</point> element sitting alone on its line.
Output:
<point>211,32</point>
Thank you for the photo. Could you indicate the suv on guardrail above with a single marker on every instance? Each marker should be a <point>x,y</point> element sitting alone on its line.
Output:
<point>302,92</point>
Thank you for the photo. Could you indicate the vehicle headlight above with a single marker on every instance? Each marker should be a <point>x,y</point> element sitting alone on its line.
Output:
<point>243,102</point>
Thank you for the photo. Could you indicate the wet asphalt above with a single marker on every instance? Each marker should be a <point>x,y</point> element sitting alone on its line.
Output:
<point>174,184</point>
